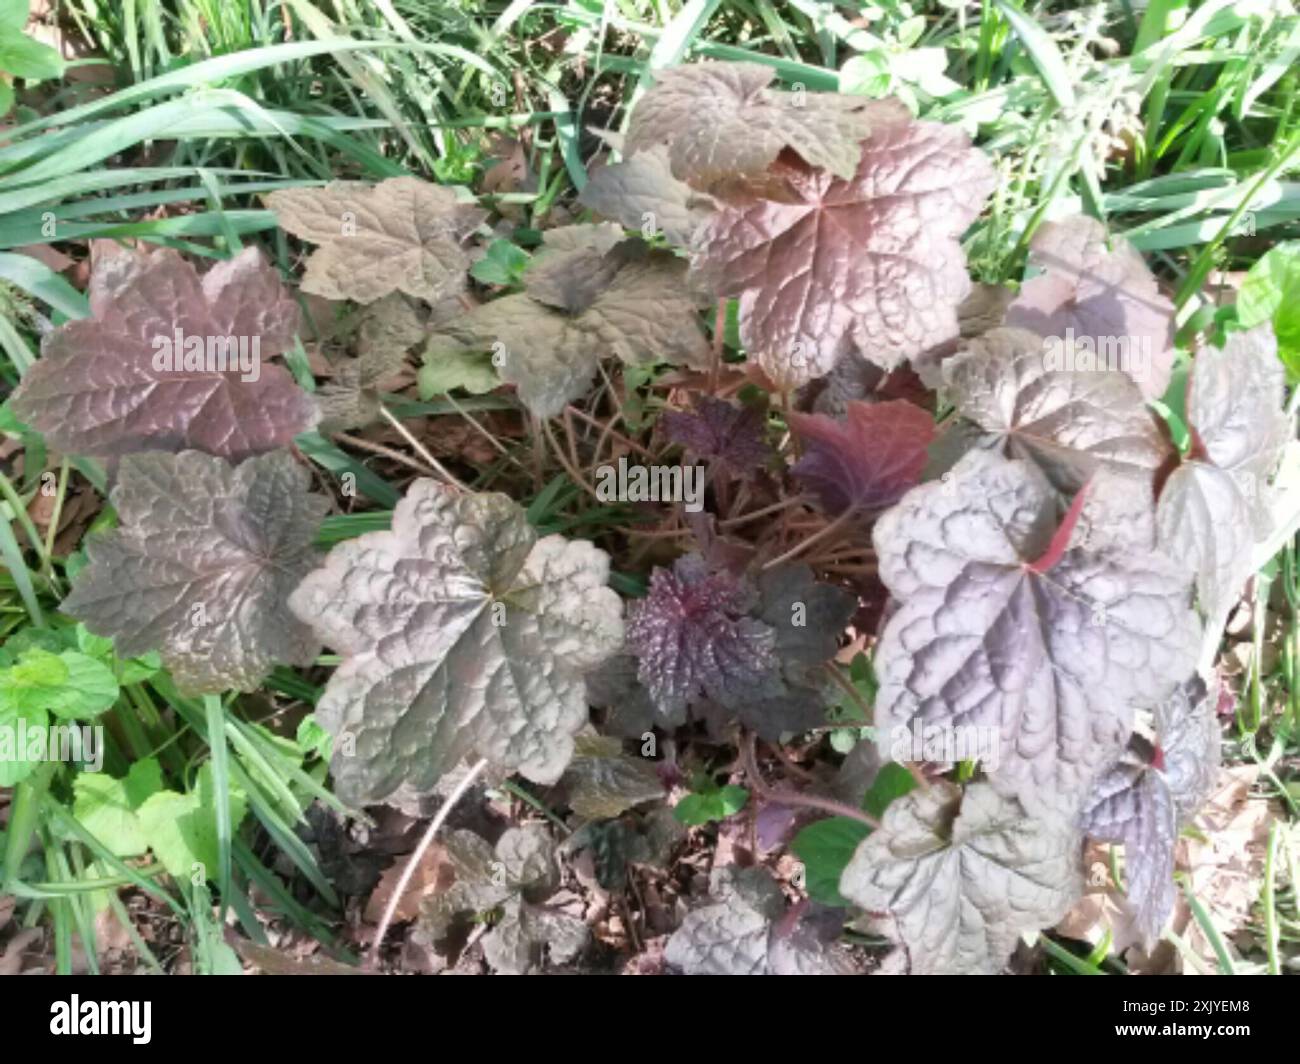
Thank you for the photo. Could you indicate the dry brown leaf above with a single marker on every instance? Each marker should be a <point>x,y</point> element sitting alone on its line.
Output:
<point>433,873</point>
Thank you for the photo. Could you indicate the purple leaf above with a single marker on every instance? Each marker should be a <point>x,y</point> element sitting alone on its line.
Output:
<point>201,565</point>
<point>1053,663</point>
<point>1069,424</point>
<point>872,263</point>
<point>97,390</point>
<point>1151,792</point>
<point>1213,507</point>
<point>867,460</point>
<point>694,638</point>
<point>722,433</point>
<point>1108,298</point>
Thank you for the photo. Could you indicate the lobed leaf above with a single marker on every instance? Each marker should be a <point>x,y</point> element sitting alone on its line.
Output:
<point>201,565</point>
<point>102,388</point>
<point>720,122</point>
<point>867,460</point>
<point>515,876</point>
<point>745,931</point>
<point>694,639</point>
<point>825,265</point>
<point>1067,423</point>
<point>724,434</point>
<point>462,634</point>
<point>1103,296</point>
<point>388,329</point>
<point>1213,506</point>
<point>402,234</point>
<point>1053,660</point>
<point>588,293</point>
<point>1145,798</point>
<point>963,875</point>
<point>641,193</point>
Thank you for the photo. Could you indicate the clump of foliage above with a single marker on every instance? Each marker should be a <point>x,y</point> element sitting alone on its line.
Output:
<point>1050,569</point>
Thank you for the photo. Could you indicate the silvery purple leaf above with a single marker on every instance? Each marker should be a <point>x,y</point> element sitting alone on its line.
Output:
<point>1103,305</point>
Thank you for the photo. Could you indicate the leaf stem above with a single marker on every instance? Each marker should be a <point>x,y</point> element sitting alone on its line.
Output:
<point>796,798</point>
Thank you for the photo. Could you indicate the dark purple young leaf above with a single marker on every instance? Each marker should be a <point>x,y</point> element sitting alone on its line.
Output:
<point>1054,662</point>
<point>1069,424</point>
<point>806,620</point>
<point>1108,297</point>
<point>719,550</point>
<point>867,460</point>
<point>964,875</point>
<point>694,639</point>
<point>1151,792</point>
<point>724,434</point>
<point>96,391</point>
<point>201,565</point>
<point>808,617</point>
<point>872,263</point>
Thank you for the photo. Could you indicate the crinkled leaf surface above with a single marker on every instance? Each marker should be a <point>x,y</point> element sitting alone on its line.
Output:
<point>96,391</point>
<point>588,294</point>
<point>963,875</point>
<point>722,433</point>
<point>1067,423</point>
<point>742,931</point>
<point>603,781</point>
<point>867,460</point>
<point>516,875</point>
<point>721,121</point>
<point>1142,800</point>
<point>728,647</point>
<point>402,234</point>
<point>641,193</point>
<point>1054,660</point>
<point>388,329</point>
<point>1213,506</point>
<point>462,633</point>
<point>694,638</point>
<point>201,565</point>
<point>871,262</point>
<point>1109,297</point>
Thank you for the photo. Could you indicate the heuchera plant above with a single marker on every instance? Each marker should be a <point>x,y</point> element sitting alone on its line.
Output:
<point>1049,556</point>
